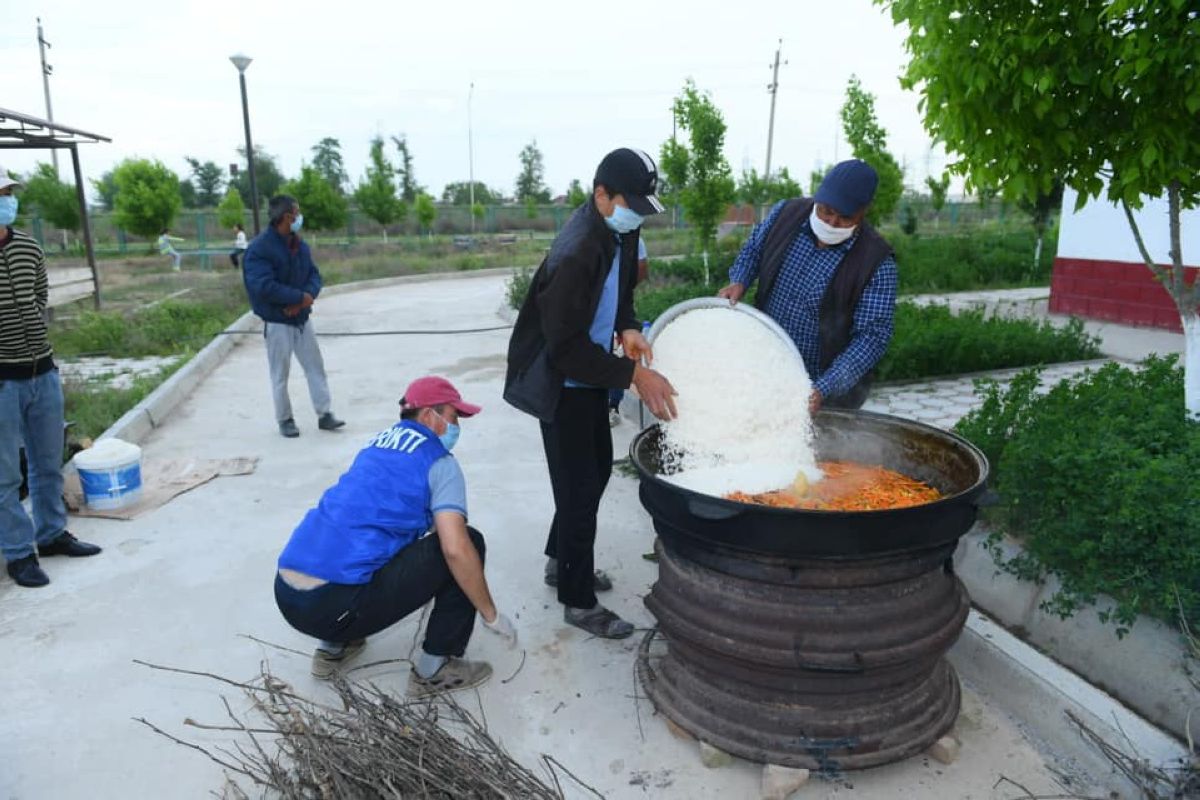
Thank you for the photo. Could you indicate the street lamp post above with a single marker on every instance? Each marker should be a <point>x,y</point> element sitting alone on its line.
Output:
<point>471,156</point>
<point>241,62</point>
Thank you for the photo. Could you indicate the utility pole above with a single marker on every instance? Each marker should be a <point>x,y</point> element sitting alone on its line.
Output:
<point>46,70</point>
<point>471,156</point>
<point>773,88</point>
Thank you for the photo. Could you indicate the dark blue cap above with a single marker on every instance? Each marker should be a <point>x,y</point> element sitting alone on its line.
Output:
<point>849,187</point>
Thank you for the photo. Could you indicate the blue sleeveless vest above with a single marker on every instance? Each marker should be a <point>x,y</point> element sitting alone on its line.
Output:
<point>375,510</point>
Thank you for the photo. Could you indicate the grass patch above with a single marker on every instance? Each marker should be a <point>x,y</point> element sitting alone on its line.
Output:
<point>94,407</point>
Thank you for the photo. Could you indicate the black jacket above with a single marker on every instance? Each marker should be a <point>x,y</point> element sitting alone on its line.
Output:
<point>550,340</point>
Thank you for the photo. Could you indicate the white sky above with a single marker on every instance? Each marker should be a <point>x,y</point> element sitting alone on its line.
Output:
<point>581,78</point>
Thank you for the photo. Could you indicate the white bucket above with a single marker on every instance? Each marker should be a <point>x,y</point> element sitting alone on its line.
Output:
<point>110,473</point>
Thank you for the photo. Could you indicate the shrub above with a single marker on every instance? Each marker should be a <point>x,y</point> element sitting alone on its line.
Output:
<point>516,287</point>
<point>932,340</point>
<point>986,258</point>
<point>1098,479</point>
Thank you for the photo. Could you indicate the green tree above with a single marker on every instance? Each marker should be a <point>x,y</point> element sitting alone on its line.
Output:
<point>459,194</point>
<point>106,190</point>
<point>187,194</point>
<point>376,192</point>
<point>1103,95</point>
<point>267,176</point>
<point>323,208</point>
<point>409,188</point>
<point>207,179</point>
<point>231,211</point>
<point>868,141</point>
<point>426,211</point>
<point>531,182</point>
<point>147,197</point>
<point>576,194</point>
<point>757,191</point>
<point>709,187</point>
<point>937,191</point>
<point>327,160</point>
<point>1041,210</point>
<point>54,200</point>
<point>673,174</point>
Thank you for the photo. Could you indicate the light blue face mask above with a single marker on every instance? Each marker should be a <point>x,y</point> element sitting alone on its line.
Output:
<point>8,209</point>
<point>450,437</point>
<point>297,223</point>
<point>623,220</point>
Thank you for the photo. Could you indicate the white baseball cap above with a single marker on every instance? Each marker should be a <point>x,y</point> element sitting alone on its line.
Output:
<point>6,181</point>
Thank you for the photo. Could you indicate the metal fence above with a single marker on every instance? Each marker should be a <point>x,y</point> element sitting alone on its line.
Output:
<point>201,230</point>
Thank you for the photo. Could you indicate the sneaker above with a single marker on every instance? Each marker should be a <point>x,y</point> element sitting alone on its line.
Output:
<point>328,422</point>
<point>65,544</point>
<point>325,663</point>
<point>614,417</point>
<point>455,674</point>
<point>288,428</point>
<point>27,572</point>
<point>598,621</point>
<point>602,583</point>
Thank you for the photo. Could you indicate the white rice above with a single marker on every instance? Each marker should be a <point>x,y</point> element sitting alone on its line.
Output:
<point>743,422</point>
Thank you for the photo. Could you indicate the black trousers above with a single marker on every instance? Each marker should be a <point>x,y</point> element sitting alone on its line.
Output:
<point>579,453</point>
<point>340,612</point>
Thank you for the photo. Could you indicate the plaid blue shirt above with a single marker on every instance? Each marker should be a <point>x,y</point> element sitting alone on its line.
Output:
<point>795,303</point>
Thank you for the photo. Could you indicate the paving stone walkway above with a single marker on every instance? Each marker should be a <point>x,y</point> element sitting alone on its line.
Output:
<point>944,402</point>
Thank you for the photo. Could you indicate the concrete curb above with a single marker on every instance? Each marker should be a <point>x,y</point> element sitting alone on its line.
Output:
<point>139,421</point>
<point>1038,692</point>
<point>1145,669</point>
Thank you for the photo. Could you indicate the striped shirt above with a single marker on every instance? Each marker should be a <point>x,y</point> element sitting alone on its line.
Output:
<point>24,292</point>
<point>795,303</point>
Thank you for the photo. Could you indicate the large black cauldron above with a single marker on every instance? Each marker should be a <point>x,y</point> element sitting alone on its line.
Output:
<point>814,638</point>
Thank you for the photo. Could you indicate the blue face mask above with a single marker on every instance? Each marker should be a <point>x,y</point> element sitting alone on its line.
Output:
<point>297,223</point>
<point>623,220</point>
<point>8,209</point>
<point>450,437</point>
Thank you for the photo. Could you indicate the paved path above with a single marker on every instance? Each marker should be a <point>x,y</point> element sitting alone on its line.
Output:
<point>179,585</point>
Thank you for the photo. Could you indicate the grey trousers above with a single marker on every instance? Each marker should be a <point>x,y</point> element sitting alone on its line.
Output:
<point>282,341</point>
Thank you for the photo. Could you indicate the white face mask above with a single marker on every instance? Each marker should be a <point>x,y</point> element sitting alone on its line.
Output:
<point>826,232</point>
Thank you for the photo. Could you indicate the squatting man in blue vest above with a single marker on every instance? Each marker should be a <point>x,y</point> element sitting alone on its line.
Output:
<point>387,538</point>
<point>829,280</point>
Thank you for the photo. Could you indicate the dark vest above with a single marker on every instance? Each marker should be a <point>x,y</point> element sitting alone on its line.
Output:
<point>841,296</point>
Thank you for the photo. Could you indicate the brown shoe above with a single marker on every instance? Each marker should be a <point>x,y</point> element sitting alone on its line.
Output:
<point>455,674</point>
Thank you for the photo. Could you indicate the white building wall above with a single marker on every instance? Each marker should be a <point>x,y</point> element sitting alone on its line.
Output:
<point>1100,232</point>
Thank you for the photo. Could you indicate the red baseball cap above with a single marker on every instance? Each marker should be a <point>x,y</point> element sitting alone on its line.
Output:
<point>434,390</point>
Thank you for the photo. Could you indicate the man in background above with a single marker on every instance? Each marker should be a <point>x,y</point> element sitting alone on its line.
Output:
<point>283,282</point>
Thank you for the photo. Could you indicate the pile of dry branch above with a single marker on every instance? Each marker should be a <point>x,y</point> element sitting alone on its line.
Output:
<point>375,745</point>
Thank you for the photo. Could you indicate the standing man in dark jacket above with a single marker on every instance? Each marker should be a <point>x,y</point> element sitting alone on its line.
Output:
<point>31,408</point>
<point>282,282</point>
<point>561,366</point>
<point>829,280</point>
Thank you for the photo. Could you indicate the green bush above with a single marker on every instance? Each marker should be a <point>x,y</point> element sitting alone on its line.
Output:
<point>985,258</point>
<point>932,340</point>
<point>516,287</point>
<point>1098,479</point>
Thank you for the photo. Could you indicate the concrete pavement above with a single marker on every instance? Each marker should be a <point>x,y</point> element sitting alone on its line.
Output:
<point>179,585</point>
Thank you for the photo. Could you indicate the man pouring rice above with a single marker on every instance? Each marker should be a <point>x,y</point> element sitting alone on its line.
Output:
<point>829,279</point>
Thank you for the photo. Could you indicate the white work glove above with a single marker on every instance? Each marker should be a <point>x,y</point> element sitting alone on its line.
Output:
<point>503,627</point>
